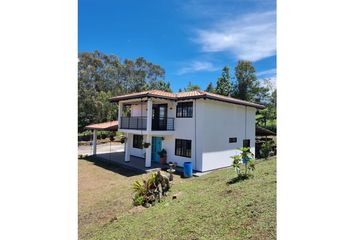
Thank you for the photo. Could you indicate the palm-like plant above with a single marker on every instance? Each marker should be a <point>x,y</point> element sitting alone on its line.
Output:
<point>139,188</point>
<point>246,158</point>
<point>148,191</point>
<point>237,163</point>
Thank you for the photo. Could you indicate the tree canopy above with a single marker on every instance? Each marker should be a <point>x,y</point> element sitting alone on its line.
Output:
<point>102,76</point>
<point>246,85</point>
<point>210,88</point>
<point>223,84</point>
<point>191,87</point>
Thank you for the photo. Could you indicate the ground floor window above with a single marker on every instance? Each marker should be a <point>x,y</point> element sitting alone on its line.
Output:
<point>138,141</point>
<point>183,148</point>
<point>246,143</point>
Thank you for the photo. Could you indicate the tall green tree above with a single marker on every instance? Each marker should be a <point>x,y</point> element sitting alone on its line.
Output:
<point>139,75</point>
<point>191,87</point>
<point>160,85</point>
<point>223,84</point>
<point>267,117</point>
<point>102,76</point>
<point>246,86</point>
<point>210,88</point>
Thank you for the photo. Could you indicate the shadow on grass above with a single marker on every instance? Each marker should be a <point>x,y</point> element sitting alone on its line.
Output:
<point>239,178</point>
<point>111,166</point>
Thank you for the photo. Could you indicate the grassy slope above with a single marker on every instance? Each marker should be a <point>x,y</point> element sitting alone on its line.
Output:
<point>104,193</point>
<point>207,208</point>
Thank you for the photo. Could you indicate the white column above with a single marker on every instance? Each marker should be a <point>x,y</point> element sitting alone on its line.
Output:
<point>148,152</point>
<point>127,148</point>
<point>120,111</point>
<point>94,143</point>
<point>149,115</point>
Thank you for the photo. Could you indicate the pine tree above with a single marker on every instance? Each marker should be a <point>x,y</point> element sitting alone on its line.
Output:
<point>246,81</point>
<point>223,85</point>
<point>191,87</point>
<point>210,88</point>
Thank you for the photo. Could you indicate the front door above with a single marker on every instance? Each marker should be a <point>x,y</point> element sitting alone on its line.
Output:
<point>159,116</point>
<point>155,149</point>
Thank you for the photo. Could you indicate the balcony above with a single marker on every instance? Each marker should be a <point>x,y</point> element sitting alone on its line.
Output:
<point>140,123</point>
<point>163,124</point>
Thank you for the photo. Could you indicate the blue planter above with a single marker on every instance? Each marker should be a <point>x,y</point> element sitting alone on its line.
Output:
<point>245,160</point>
<point>187,169</point>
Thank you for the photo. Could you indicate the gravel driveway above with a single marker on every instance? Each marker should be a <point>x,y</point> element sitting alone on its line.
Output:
<point>102,148</point>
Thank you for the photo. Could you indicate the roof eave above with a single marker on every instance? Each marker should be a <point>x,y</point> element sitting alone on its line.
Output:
<point>122,98</point>
<point>148,95</point>
<point>255,105</point>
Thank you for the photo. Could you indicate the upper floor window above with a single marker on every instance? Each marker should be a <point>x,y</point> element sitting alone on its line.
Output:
<point>184,110</point>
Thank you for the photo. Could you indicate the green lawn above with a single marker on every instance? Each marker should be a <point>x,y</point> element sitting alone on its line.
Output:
<point>206,208</point>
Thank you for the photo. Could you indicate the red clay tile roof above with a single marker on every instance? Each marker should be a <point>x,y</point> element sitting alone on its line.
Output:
<point>189,94</point>
<point>108,126</point>
<point>185,95</point>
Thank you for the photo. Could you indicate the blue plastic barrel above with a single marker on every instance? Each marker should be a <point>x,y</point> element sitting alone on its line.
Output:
<point>187,169</point>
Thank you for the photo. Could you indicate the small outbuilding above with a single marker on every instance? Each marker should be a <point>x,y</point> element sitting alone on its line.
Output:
<point>263,135</point>
<point>105,126</point>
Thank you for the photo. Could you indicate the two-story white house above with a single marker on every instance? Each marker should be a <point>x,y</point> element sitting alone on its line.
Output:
<point>197,126</point>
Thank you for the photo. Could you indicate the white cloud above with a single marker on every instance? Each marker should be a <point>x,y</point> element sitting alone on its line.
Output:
<point>270,83</point>
<point>250,37</point>
<point>268,72</point>
<point>197,66</point>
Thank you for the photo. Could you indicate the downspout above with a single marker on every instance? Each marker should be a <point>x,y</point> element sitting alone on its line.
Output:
<point>141,113</point>
<point>245,123</point>
<point>141,130</point>
<point>195,134</point>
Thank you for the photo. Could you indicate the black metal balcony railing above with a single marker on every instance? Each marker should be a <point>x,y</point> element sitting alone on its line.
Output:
<point>163,124</point>
<point>139,123</point>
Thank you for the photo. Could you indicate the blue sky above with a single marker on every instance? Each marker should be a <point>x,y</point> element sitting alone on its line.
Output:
<point>191,39</point>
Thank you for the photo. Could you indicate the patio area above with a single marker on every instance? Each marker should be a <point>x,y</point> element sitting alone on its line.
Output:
<point>135,163</point>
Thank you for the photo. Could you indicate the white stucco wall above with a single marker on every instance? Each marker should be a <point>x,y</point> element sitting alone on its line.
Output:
<point>210,128</point>
<point>184,129</point>
<point>138,110</point>
<point>220,122</point>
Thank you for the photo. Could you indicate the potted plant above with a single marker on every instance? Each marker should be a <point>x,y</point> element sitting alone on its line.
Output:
<point>146,144</point>
<point>163,156</point>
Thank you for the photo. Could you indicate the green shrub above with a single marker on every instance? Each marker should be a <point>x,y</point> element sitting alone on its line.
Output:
<point>103,136</point>
<point>147,192</point>
<point>85,137</point>
<point>138,200</point>
<point>266,149</point>
<point>272,127</point>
